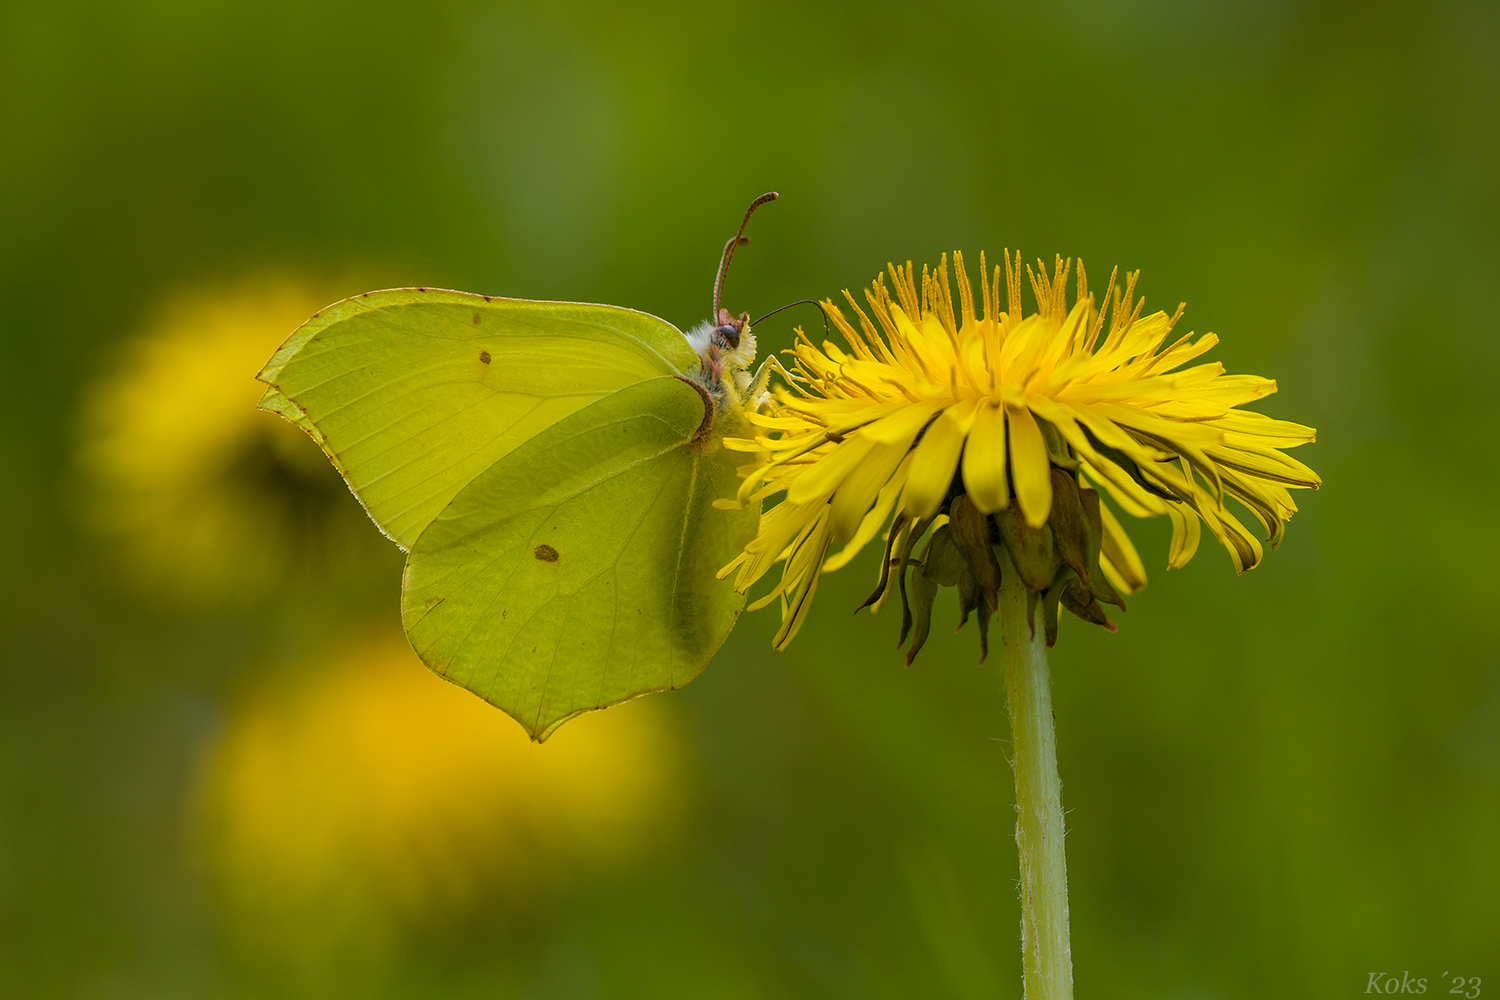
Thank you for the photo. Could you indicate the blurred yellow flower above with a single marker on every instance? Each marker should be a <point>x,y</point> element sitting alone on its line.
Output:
<point>205,495</point>
<point>369,792</point>
<point>1007,425</point>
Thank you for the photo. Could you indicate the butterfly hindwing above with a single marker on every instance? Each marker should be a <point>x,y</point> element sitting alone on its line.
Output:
<point>414,392</point>
<point>577,571</point>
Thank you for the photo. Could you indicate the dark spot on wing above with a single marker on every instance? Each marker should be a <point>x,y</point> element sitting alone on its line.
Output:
<point>484,356</point>
<point>422,289</point>
<point>476,319</point>
<point>545,553</point>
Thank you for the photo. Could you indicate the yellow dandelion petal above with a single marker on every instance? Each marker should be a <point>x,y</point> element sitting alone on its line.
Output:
<point>1029,465</point>
<point>874,520</point>
<point>1120,555</point>
<point>1265,463</point>
<point>1258,425</point>
<point>984,461</point>
<point>861,489</point>
<point>825,476</point>
<point>903,425</point>
<point>935,458</point>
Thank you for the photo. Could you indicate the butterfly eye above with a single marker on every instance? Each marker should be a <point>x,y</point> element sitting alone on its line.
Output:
<point>730,335</point>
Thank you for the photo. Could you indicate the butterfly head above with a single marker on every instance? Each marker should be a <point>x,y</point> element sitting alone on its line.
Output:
<point>724,343</point>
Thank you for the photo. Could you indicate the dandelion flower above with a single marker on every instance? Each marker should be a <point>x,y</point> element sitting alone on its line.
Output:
<point>999,430</point>
<point>362,793</point>
<point>204,496</point>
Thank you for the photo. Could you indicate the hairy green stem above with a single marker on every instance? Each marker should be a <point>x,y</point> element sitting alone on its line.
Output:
<point>1046,956</point>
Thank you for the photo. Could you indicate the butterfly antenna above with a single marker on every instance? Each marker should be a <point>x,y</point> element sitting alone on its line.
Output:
<point>799,302</point>
<point>729,248</point>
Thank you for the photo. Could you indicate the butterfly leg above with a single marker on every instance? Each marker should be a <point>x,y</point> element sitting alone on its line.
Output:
<point>759,391</point>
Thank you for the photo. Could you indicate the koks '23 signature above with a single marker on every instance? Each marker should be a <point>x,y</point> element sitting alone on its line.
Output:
<point>1381,982</point>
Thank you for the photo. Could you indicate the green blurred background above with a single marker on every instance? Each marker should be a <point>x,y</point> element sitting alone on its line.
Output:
<point>1276,784</point>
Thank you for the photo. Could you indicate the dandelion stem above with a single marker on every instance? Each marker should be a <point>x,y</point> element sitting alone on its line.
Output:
<point>1047,959</point>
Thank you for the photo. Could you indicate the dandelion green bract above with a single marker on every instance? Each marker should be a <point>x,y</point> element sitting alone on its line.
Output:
<point>546,468</point>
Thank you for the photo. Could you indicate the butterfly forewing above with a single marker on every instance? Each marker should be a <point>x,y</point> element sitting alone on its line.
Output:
<point>413,393</point>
